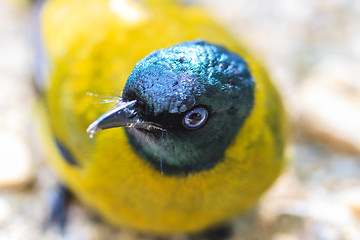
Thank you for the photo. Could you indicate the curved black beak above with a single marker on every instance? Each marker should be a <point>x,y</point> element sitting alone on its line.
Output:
<point>122,115</point>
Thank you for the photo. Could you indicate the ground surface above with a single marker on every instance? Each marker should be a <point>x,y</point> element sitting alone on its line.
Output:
<point>312,51</point>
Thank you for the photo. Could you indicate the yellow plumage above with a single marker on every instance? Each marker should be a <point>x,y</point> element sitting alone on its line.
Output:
<point>92,46</point>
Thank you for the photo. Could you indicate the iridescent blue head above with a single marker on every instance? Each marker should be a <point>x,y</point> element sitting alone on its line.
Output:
<point>183,106</point>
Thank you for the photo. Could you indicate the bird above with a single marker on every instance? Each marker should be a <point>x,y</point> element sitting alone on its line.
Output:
<point>189,130</point>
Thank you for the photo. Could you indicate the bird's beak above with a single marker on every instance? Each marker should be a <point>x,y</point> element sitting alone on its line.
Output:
<point>122,115</point>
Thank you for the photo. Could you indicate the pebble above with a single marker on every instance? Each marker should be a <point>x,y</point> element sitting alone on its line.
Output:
<point>5,211</point>
<point>16,166</point>
<point>15,102</point>
<point>329,103</point>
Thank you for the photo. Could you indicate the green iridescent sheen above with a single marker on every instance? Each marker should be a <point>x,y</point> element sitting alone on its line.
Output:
<point>170,82</point>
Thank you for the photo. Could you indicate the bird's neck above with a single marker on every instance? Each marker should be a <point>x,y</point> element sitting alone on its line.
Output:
<point>176,155</point>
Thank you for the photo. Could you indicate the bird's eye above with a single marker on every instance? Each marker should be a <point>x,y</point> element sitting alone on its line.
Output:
<point>195,118</point>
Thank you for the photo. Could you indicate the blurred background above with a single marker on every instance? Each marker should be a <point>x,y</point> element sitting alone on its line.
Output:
<point>311,49</point>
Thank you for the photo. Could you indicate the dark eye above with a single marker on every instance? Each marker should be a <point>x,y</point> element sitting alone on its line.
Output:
<point>195,118</point>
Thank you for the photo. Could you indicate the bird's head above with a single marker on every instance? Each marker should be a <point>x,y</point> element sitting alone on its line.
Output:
<point>182,106</point>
